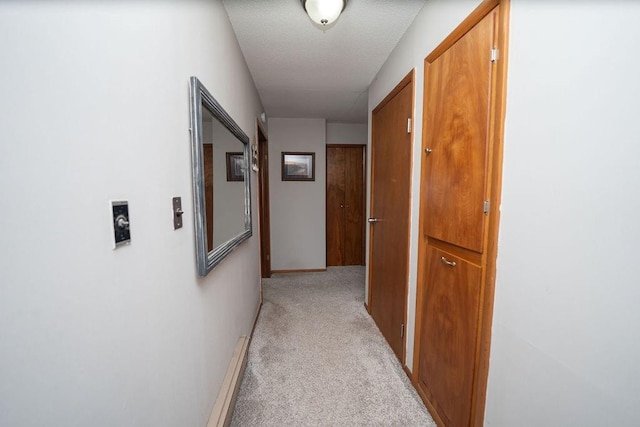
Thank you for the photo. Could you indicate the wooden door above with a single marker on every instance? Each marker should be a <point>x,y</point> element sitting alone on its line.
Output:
<point>463,126</point>
<point>459,85</point>
<point>354,201</point>
<point>449,334</point>
<point>345,205</point>
<point>335,206</point>
<point>263,204</point>
<point>389,211</point>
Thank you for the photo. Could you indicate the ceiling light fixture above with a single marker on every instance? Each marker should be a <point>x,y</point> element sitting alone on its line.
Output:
<point>324,12</point>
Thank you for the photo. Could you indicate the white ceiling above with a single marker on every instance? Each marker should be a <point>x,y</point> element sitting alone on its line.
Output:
<point>301,70</point>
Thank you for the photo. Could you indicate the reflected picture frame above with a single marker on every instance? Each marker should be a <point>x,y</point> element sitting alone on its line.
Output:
<point>235,166</point>
<point>298,166</point>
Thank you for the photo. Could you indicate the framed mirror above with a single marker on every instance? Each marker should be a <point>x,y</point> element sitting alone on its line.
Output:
<point>220,157</point>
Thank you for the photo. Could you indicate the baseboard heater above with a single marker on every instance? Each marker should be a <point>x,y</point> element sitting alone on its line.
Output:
<point>223,409</point>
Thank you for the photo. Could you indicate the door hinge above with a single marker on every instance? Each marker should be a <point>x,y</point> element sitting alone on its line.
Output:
<point>494,54</point>
<point>409,125</point>
<point>402,331</point>
<point>486,206</point>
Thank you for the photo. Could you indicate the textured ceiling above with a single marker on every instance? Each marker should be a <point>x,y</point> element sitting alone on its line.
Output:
<point>301,70</point>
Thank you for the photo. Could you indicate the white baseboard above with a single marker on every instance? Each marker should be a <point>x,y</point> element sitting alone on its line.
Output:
<point>226,401</point>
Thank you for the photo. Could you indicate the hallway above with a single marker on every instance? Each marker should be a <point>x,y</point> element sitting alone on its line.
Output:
<point>317,358</point>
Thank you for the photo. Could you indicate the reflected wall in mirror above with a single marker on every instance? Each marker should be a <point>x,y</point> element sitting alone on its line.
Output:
<point>222,205</point>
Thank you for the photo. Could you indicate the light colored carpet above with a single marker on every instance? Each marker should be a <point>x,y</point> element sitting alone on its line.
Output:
<point>317,359</point>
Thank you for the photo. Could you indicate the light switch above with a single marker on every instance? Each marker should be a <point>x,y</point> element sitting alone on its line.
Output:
<point>177,212</point>
<point>121,230</point>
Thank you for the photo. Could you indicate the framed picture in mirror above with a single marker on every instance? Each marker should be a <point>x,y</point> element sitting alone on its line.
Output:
<point>235,167</point>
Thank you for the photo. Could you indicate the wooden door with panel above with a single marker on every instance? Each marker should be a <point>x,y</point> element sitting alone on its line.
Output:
<point>354,201</point>
<point>449,333</point>
<point>335,206</point>
<point>459,85</point>
<point>345,205</point>
<point>462,137</point>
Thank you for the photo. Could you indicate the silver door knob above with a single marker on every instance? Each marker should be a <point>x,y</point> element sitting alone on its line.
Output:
<point>428,151</point>
<point>373,220</point>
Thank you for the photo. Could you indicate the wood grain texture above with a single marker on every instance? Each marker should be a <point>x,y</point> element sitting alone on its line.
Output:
<point>263,202</point>
<point>496,138</point>
<point>307,270</point>
<point>354,200</point>
<point>335,206</point>
<point>458,84</point>
<point>345,205</point>
<point>486,258</point>
<point>390,198</point>
<point>225,403</point>
<point>449,332</point>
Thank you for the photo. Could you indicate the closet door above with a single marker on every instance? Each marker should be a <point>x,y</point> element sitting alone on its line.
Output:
<point>345,205</point>
<point>335,206</point>
<point>459,84</point>
<point>465,81</point>
<point>354,206</point>
<point>449,333</point>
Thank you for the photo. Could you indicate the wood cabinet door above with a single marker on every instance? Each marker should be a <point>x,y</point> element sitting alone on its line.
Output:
<point>457,89</point>
<point>448,337</point>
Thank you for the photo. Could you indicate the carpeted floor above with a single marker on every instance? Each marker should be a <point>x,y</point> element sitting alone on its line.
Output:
<point>317,359</point>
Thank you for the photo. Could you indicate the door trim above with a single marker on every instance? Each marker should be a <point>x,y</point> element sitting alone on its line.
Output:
<point>488,257</point>
<point>406,80</point>
<point>263,203</point>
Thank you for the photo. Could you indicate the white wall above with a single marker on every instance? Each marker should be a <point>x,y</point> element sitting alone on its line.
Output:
<point>298,237</point>
<point>566,345</point>
<point>347,133</point>
<point>94,107</point>
<point>434,22</point>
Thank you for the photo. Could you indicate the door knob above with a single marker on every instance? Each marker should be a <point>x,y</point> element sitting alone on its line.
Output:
<point>373,220</point>
<point>428,151</point>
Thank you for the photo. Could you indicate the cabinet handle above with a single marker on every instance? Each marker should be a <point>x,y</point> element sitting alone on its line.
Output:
<point>449,263</point>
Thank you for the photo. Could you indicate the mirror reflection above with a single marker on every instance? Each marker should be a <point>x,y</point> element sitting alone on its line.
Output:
<point>224,167</point>
<point>221,183</point>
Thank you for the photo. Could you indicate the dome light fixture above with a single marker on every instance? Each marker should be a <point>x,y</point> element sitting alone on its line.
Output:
<point>324,12</point>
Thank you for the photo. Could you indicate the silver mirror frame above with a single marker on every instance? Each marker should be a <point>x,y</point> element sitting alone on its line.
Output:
<point>207,260</point>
